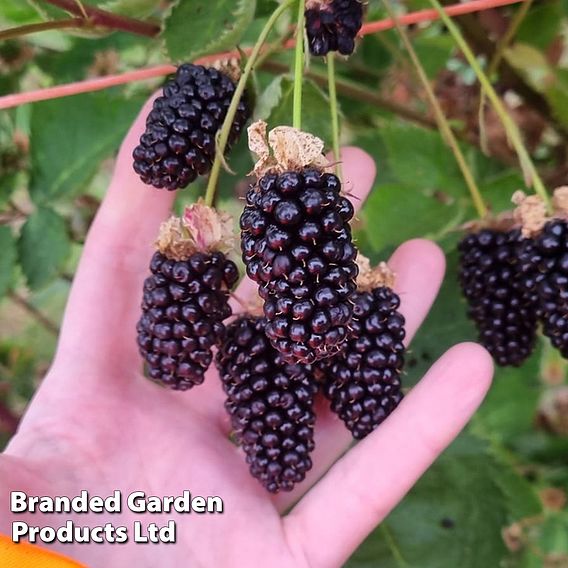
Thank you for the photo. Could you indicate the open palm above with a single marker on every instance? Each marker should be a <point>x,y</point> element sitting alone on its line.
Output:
<point>97,424</point>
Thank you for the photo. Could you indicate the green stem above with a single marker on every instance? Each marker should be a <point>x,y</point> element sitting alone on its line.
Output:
<point>333,107</point>
<point>232,110</point>
<point>502,45</point>
<point>42,27</point>
<point>532,176</point>
<point>299,67</point>
<point>441,119</point>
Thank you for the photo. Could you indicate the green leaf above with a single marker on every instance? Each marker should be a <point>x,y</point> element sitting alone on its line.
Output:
<point>452,517</point>
<point>426,214</point>
<point>71,136</point>
<point>43,246</point>
<point>511,405</point>
<point>132,8</point>
<point>7,259</point>
<point>316,117</point>
<point>199,27</point>
<point>542,24</point>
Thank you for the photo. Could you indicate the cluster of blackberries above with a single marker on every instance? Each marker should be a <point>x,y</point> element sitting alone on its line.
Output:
<point>333,26</point>
<point>296,244</point>
<point>543,262</point>
<point>270,404</point>
<point>363,383</point>
<point>179,141</point>
<point>183,306</point>
<point>499,303</point>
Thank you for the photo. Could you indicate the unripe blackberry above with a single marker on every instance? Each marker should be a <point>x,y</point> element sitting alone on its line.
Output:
<point>363,381</point>
<point>333,25</point>
<point>179,141</point>
<point>270,404</point>
<point>296,244</point>
<point>543,261</point>
<point>499,305</point>
<point>184,303</point>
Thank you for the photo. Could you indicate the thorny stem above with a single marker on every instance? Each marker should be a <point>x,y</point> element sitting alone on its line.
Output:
<point>299,67</point>
<point>333,107</point>
<point>42,27</point>
<point>502,45</point>
<point>232,110</point>
<point>98,17</point>
<point>532,176</point>
<point>441,119</point>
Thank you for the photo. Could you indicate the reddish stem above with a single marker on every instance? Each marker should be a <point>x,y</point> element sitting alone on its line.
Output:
<point>98,84</point>
<point>98,17</point>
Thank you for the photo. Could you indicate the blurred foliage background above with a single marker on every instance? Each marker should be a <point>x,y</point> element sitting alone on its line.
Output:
<point>497,497</point>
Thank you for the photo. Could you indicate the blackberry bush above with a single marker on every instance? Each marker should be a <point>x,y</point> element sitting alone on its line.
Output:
<point>504,313</point>
<point>185,299</point>
<point>363,381</point>
<point>296,244</point>
<point>179,141</point>
<point>333,25</point>
<point>270,404</point>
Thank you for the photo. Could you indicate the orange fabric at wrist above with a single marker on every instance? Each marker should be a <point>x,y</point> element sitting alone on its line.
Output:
<point>25,555</point>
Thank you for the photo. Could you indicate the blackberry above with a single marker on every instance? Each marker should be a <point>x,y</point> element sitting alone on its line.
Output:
<point>270,404</point>
<point>296,244</point>
<point>499,305</point>
<point>543,263</point>
<point>363,382</point>
<point>185,301</point>
<point>333,26</point>
<point>179,141</point>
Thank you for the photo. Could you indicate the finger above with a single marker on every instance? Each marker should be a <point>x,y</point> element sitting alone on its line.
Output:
<point>378,472</point>
<point>359,173</point>
<point>419,266</point>
<point>104,302</point>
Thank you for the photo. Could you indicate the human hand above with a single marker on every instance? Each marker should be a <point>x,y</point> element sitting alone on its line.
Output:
<point>97,424</point>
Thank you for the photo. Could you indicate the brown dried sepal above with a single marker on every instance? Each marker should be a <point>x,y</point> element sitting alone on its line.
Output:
<point>199,229</point>
<point>230,66</point>
<point>530,213</point>
<point>285,149</point>
<point>370,278</point>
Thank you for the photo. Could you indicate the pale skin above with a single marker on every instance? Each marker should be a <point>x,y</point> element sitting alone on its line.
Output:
<point>97,424</point>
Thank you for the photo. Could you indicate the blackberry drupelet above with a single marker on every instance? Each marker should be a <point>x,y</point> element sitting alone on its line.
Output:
<point>499,305</point>
<point>363,381</point>
<point>543,262</point>
<point>333,25</point>
<point>270,404</point>
<point>296,244</point>
<point>179,141</point>
<point>186,297</point>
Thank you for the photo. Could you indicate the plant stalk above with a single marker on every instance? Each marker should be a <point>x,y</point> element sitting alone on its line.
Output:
<point>225,131</point>
<point>334,109</point>
<point>532,177</point>
<point>299,67</point>
<point>441,119</point>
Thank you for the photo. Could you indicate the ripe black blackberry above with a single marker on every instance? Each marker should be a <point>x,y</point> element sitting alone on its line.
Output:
<point>184,303</point>
<point>179,141</point>
<point>543,261</point>
<point>270,404</point>
<point>499,305</point>
<point>333,25</point>
<point>296,244</point>
<point>363,381</point>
